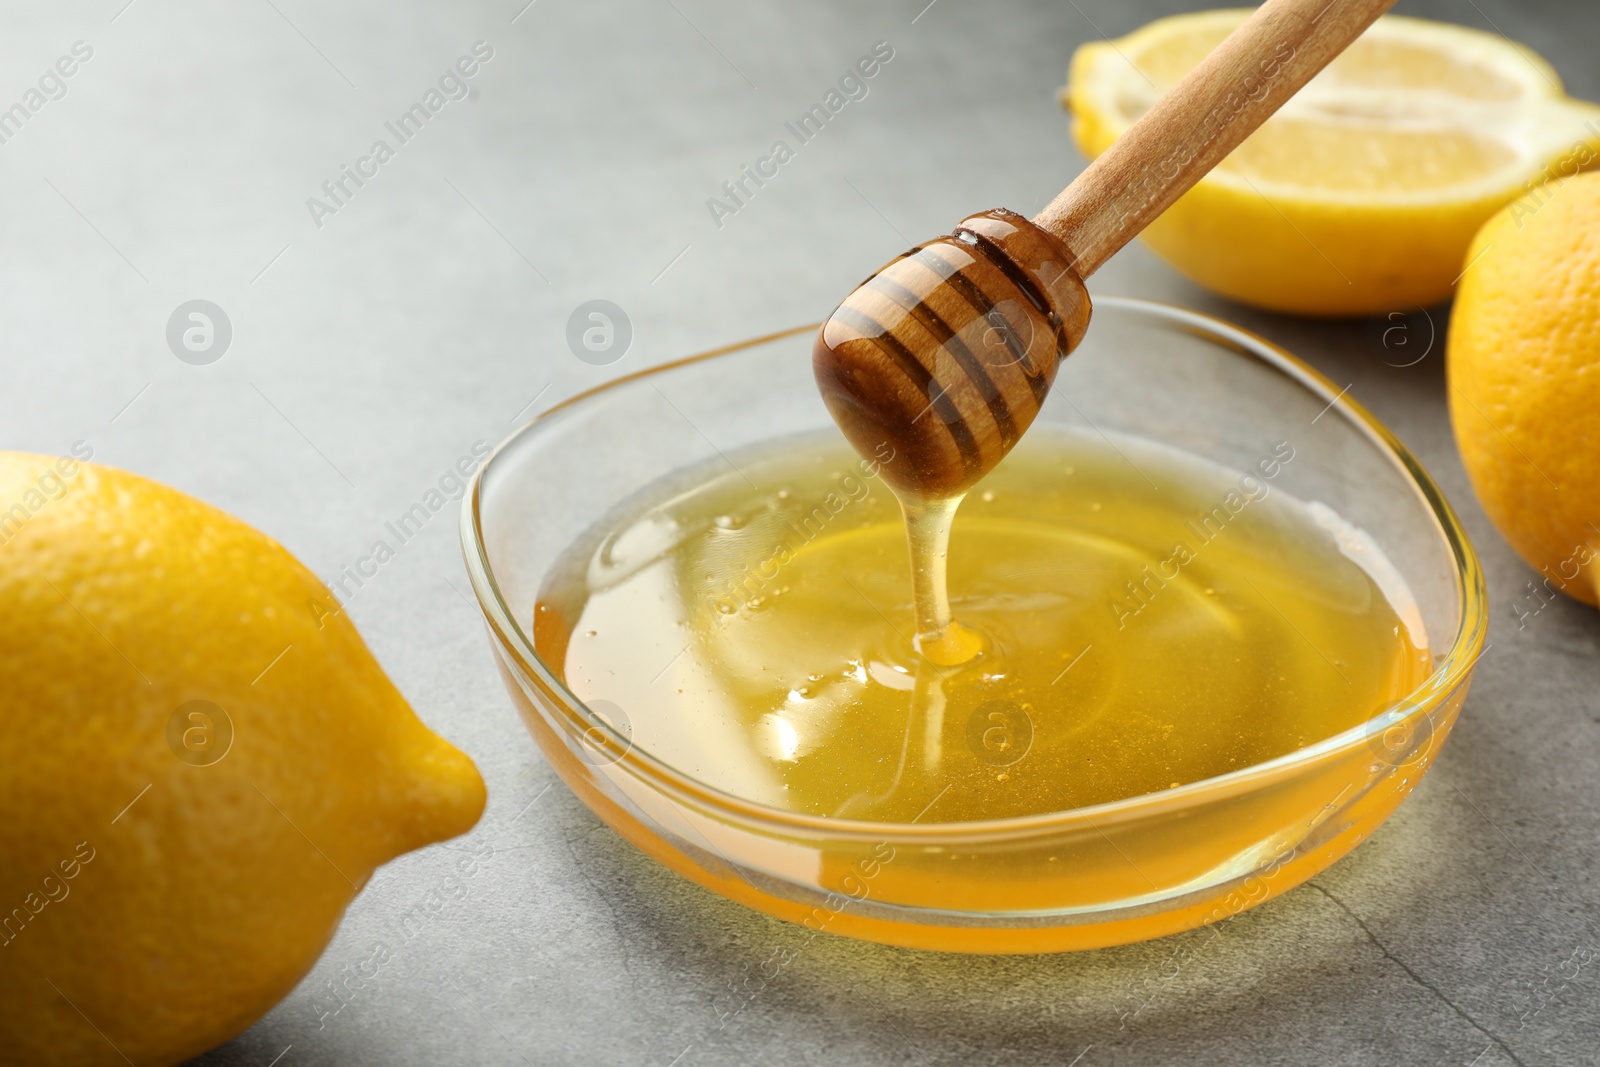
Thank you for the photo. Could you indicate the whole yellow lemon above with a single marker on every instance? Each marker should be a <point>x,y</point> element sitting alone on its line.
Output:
<point>203,765</point>
<point>1523,363</point>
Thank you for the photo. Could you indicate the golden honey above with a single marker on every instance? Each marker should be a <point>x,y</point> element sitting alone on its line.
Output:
<point>1148,619</point>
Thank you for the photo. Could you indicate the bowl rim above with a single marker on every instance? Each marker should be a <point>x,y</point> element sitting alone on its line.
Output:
<point>1450,672</point>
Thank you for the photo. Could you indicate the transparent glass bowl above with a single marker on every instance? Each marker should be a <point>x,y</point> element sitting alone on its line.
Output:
<point>1104,875</point>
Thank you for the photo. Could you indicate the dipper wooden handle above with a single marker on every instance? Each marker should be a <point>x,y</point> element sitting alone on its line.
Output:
<point>946,354</point>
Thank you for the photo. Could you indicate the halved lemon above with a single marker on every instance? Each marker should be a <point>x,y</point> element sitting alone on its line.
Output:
<point>1362,194</point>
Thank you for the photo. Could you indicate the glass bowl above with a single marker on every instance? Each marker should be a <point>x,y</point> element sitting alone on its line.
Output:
<point>1103,875</point>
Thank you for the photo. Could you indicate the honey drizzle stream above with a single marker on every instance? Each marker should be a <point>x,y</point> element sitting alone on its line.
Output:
<point>940,639</point>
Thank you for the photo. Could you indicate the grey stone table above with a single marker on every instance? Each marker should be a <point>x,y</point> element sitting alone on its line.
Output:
<point>380,332</point>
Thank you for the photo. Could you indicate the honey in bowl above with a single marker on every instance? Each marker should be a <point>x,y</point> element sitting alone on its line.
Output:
<point>1145,619</point>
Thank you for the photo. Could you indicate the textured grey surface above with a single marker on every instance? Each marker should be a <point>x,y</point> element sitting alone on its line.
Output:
<point>429,312</point>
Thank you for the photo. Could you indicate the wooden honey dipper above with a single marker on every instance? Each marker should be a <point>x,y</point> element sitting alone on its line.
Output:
<point>947,352</point>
